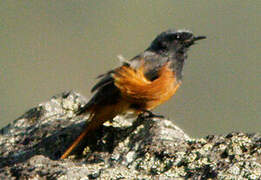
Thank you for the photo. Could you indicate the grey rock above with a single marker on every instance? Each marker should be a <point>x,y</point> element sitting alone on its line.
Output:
<point>129,148</point>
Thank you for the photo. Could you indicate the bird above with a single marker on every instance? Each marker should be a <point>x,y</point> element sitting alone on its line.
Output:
<point>140,84</point>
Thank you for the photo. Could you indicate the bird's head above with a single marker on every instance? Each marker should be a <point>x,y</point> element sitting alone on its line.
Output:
<point>173,42</point>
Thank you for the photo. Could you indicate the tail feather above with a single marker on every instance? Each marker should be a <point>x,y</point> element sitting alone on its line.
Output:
<point>92,125</point>
<point>98,115</point>
<point>75,143</point>
<point>86,108</point>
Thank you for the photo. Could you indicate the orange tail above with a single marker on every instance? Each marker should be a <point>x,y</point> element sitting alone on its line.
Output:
<point>98,116</point>
<point>75,143</point>
<point>93,125</point>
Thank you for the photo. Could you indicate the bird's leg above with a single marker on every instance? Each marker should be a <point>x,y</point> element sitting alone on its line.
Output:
<point>151,114</point>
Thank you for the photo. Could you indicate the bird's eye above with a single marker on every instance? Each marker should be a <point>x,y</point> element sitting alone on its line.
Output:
<point>185,36</point>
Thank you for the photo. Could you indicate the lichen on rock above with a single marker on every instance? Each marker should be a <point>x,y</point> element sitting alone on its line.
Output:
<point>146,148</point>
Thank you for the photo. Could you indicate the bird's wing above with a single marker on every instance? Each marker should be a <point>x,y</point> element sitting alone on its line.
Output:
<point>122,80</point>
<point>107,78</point>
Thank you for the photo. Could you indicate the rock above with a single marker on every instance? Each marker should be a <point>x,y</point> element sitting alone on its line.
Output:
<point>147,148</point>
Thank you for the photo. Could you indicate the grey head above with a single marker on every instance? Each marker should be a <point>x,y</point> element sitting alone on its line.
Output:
<point>173,42</point>
<point>170,45</point>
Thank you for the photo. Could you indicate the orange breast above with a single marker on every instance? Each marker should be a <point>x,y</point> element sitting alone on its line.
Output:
<point>137,89</point>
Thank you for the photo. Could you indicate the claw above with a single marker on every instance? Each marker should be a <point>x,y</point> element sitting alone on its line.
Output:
<point>151,114</point>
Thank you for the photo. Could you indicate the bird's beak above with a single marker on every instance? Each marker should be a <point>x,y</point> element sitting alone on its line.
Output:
<point>199,38</point>
<point>191,42</point>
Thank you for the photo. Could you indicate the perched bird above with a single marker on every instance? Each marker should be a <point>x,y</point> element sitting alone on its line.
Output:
<point>140,84</point>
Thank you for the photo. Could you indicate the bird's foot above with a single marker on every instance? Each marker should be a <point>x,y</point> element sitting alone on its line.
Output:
<point>149,114</point>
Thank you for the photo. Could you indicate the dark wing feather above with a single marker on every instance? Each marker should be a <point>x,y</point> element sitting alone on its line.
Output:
<point>106,79</point>
<point>108,93</point>
<point>105,95</point>
<point>152,63</point>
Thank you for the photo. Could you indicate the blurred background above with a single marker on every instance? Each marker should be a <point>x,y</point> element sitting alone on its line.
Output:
<point>47,47</point>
